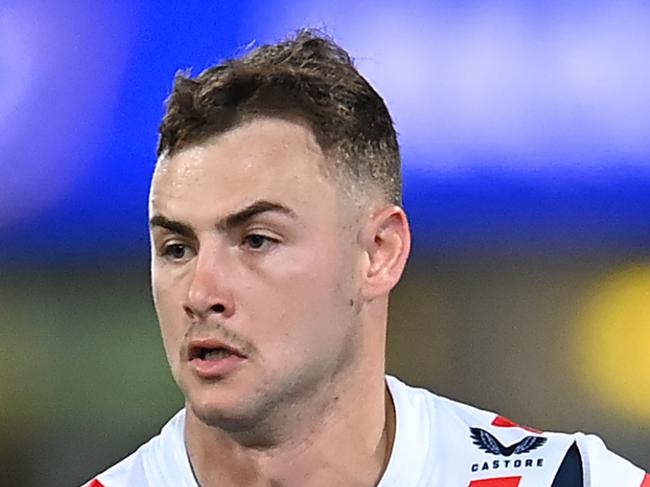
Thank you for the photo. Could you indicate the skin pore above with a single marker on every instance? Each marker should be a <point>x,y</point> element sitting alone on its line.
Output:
<point>254,246</point>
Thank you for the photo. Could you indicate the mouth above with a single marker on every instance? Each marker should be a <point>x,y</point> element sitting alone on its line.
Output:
<point>214,359</point>
<point>212,350</point>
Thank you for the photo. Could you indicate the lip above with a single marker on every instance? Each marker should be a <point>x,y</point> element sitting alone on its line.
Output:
<point>196,345</point>
<point>213,368</point>
<point>216,369</point>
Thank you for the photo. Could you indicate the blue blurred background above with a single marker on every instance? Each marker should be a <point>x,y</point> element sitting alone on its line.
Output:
<point>525,135</point>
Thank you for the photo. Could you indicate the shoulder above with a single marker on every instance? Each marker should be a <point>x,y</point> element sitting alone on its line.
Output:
<point>160,461</point>
<point>463,444</point>
<point>604,468</point>
<point>129,471</point>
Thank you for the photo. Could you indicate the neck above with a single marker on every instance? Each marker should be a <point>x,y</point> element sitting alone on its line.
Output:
<point>348,444</point>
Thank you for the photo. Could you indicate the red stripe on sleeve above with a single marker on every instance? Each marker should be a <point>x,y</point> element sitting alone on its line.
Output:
<point>503,422</point>
<point>95,483</point>
<point>500,482</point>
<point>646,481</point>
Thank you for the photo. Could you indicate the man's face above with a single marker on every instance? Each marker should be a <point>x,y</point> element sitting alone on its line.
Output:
<point>255,269</point>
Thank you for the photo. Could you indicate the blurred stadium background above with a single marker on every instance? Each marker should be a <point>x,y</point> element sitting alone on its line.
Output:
<point>526,144</point>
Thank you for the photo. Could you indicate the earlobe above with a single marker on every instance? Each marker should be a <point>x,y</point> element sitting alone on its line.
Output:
<point>387,241</point>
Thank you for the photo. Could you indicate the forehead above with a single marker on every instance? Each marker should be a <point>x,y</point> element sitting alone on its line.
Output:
<point>263,158</point>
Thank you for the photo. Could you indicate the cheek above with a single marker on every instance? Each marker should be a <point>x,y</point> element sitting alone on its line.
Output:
<point>310,292</point>
<point>302,279</point>
<point>322,260</point>
<point>170,318</point>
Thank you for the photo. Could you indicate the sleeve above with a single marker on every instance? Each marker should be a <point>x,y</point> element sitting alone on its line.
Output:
<point>604,468</point>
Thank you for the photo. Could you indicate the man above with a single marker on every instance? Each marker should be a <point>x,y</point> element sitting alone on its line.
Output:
<point>277,235</point>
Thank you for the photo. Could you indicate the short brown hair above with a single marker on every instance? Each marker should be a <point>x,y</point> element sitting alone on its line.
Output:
<point>308,77</point>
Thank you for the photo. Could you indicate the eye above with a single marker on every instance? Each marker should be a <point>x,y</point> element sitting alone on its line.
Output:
<point>256,241</point>
<point>175,251</point>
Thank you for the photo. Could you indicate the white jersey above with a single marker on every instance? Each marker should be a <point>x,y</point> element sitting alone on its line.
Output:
<point>438,443</point>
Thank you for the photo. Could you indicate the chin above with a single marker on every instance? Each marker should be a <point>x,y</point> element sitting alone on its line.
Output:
<point>249,426</point>
<point>215,415</point>
<point>247,416</point>
<point>229,417</point>
<point>219,406</point>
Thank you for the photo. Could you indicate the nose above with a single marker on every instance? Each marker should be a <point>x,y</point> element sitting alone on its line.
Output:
<point>209,293</point>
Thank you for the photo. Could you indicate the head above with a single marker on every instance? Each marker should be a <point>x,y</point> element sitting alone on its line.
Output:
<point>277,231</point>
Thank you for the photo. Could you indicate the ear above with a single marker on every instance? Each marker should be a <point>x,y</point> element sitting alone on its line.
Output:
<point>386,241</point>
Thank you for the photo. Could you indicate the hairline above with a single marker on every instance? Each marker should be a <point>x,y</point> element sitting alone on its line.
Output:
<point>362,193</point>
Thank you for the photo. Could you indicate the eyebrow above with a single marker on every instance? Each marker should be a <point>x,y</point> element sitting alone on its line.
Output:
<point>261,206</point>
<point>173,226</point>
<point>233,220</point>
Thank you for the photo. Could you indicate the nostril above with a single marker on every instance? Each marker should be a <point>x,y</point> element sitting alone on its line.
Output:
<point>189,312</point>
<point>218,308</point>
